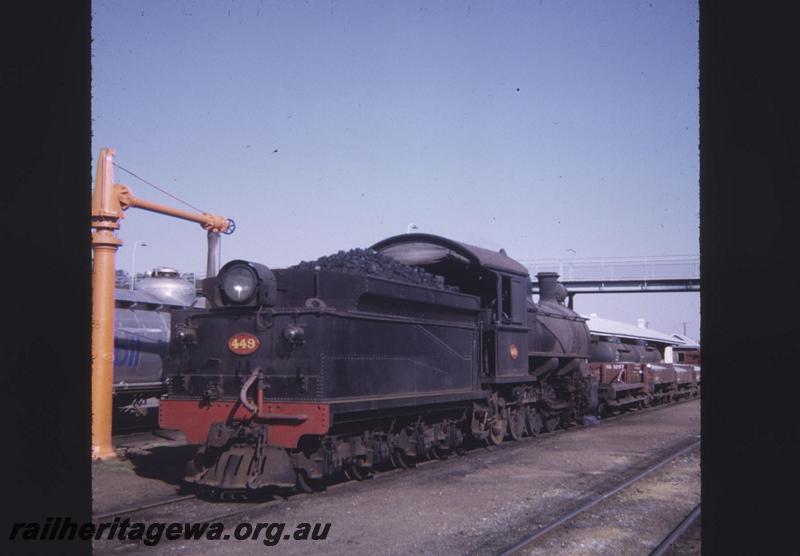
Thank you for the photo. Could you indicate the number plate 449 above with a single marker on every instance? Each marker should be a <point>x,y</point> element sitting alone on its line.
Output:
<point>243,343</point>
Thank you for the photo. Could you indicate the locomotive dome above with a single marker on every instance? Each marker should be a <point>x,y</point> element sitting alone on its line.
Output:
<point>429,249</point>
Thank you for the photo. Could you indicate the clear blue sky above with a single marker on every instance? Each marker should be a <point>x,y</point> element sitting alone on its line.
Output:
<point>533,126</point>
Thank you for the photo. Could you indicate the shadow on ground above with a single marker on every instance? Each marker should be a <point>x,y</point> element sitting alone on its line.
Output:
<point>164,463</point>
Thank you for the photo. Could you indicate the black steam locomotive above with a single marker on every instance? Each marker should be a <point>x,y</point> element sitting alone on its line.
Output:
<point>420,346</point>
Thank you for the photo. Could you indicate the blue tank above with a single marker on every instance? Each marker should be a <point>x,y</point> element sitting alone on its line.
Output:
<point>142,330</point>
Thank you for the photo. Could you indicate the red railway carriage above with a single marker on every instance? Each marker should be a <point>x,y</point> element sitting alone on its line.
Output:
<point>620,385</point>
<point>629,364</point>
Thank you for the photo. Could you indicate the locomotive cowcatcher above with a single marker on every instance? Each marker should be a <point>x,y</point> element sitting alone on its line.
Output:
<point>295,375</point>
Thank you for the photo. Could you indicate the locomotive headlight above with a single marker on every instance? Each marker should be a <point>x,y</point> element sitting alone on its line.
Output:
<point>239,284</point>
<point>243,284</point>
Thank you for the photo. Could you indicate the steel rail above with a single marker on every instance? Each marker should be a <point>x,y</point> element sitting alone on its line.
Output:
<point>528,539</point>
<point>677,533</point>
<point>246,508</point>
<point>147,506</point>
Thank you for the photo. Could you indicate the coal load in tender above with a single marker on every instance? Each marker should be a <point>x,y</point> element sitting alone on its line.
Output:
<point>372,263</point>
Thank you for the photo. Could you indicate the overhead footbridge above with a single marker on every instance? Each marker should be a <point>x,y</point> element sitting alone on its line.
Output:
<point>653,274</point>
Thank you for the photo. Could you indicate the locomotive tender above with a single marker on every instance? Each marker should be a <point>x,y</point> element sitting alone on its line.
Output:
<point>295,375</point>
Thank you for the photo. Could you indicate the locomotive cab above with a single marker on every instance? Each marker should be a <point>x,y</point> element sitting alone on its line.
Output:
<point>500,282</point>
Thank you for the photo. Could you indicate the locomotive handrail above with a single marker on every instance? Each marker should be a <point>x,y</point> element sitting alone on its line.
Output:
<point>300,417</point>
<point>245,387</point>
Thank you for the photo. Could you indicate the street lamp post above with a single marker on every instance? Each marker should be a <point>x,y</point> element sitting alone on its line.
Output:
<point>133,262</point>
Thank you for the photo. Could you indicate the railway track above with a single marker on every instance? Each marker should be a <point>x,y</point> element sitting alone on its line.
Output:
<point>138,512</point>
<point>120,512</point>
<point>678,532</point>
<point>234,507</point>
<point>534,536</point>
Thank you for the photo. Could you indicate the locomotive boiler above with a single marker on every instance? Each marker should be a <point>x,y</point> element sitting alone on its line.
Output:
<point>406,350</point>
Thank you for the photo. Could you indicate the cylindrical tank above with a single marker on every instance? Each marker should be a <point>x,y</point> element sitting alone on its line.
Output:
<point>142,329</point>
<point>643,353</point>
<point>165,284</point>
<point>141,340</point>
<point>610,349</point>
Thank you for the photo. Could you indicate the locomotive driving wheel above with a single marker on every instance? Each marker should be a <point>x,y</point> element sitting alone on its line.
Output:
<point>401,460</point>
<point>351,473</point>
<point>516,424</point>
<point>356,472</point>
<point>497,431</point>
<point>308,485</point>
<point>550,422</point>
<point>533,421</point>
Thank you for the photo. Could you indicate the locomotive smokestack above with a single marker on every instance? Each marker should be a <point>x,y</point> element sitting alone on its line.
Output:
<point>548,285</point>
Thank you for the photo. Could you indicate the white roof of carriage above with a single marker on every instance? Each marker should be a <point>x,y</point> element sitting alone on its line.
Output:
<point>607,327</point>
<point>687,341</point>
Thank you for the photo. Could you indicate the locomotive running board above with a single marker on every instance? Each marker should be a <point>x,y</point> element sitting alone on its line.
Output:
<point>369,403</point>
<point>508,379</point>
